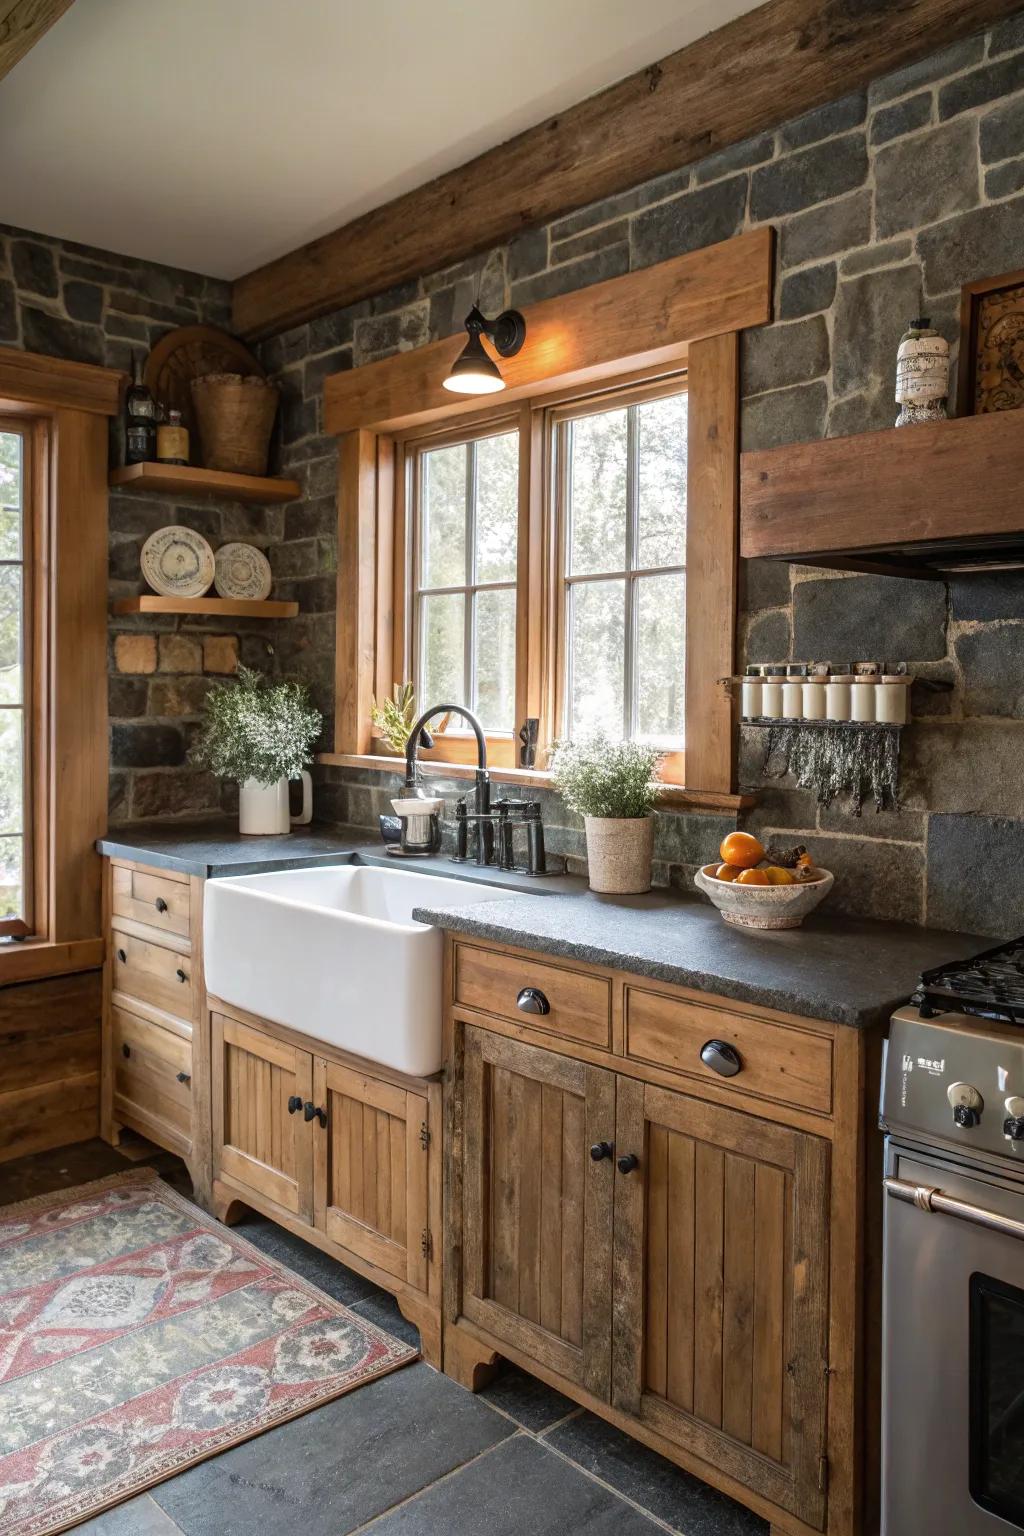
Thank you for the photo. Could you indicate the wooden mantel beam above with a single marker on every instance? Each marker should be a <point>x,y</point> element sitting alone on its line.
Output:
<point>22,24</point>
<point>765,67</point>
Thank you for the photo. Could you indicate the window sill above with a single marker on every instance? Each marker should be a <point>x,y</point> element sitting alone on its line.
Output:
<point>674,795</point>
<point>35,960</point>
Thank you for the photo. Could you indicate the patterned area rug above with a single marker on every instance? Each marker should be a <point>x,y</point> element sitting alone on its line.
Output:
<point>138,1336</point>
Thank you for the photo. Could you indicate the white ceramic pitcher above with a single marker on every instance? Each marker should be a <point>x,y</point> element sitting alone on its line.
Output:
<point>263,808</point>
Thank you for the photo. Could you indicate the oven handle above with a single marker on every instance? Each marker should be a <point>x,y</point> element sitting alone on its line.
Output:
<point>927,1198</point>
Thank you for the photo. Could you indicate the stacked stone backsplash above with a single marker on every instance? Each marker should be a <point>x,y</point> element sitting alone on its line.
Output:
<point>885,202</point>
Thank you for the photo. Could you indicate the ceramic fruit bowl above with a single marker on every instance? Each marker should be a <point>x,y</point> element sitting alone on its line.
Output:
<point>764,906</point>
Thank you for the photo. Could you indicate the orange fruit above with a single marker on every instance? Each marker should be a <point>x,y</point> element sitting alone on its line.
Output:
<point>727,872</point>
<point>742,849</point>
<point>779,876</point>
<point>752,877</point>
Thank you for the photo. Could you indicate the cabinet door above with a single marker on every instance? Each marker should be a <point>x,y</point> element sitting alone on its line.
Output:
<point>258,1141</point>
<point>370,1170</point>
<point>720,1338</point>
<point>537,1214</point>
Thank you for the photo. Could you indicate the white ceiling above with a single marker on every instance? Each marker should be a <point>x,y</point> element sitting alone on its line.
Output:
<point>217,134</point>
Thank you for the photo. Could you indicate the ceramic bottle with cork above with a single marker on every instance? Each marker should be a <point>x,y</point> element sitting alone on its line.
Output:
<point>838,703</point>
<point>771,692</point>
<point>864,690</point>
<point>172,439</point>
<point>750,694</point>
<point>815,691</point>
<point>892,694</point>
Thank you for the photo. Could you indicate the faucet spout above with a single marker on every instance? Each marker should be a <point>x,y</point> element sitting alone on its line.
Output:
<point>412,746</point>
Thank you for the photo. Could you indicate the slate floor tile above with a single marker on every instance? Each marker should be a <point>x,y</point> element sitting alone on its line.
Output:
<point>309,1262</point>
<point>139,1517</point>
<point>683,1502</point>
<point>382,1308</point>
<point>334,1469</point>
<point>520,1489</point>
<point>532,1403</point>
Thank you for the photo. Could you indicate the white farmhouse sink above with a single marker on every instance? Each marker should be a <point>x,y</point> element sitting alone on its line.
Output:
<point>334,952</point>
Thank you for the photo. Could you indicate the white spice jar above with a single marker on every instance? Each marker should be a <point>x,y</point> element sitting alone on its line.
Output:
<point>793,693</point>
<point>891,696</point>
<point>814,691</point>
<point>837,691</point>
<point>750,694</point>
<point>862,694</point>
<point>771,693</point>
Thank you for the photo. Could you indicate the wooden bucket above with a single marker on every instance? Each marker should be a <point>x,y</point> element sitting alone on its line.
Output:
<point>235,414</point>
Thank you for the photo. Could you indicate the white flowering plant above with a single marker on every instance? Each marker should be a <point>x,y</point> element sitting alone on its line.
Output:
<point>597,776</point>
<point>255,729</point>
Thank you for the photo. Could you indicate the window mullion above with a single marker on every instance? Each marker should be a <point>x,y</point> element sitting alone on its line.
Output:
<point>469,615</point>
<point>632,546</point>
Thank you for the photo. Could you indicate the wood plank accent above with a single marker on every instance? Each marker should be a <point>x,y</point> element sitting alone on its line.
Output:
<point>256,1141</point>
<point>49,1063</point>
<point>30,380</point>
<point>155,973</point>
<point>580,1005</point>
<point>215,607</point>
<point>35,961</point>
<point>877,492</point>
<point>711,541</point>
<point>188,480</point>
<point>641,320</point>
<point>769,65</point>
<point>22,24</point>
<point>355,666</point>
<point>148,897</point>
<point>792,1066</point>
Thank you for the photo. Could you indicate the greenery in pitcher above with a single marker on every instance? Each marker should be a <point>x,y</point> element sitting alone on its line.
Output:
<point>256,729</point>
<point>597,776</point>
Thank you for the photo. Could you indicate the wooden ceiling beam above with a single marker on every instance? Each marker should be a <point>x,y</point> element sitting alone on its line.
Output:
<point>22,24</point>
<point>767,66</point>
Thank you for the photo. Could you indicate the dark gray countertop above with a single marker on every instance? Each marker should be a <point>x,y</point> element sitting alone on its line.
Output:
<point>847,970</point>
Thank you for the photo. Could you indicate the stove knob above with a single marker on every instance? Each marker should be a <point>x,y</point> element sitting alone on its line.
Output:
<point>1013,1127</point>
<point>966,1103</point>
<point>1014,1105</point>
<point>965,1117</point>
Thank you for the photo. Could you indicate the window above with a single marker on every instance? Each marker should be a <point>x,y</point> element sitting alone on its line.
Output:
<point>621,514</point>
<point>15,693</point>
<point>466,496</point>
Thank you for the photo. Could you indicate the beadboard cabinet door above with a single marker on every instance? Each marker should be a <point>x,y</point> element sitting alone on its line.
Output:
<point>260,1138</point>
<point>721,1290</point>
<point>537,1220</point>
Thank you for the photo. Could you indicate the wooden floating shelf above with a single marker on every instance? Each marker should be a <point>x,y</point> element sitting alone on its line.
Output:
<point>184,480</point>
<point>927,500</point>
<point>213,607</point>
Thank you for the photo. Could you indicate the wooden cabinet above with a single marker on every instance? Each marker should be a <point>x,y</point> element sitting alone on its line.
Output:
<point>682,1252</point>
<point>343,1153</point>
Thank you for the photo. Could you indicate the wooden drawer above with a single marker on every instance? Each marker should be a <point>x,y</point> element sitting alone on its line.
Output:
<point>580,1005</point>
<point>787,1064</point>
<point>160,901</point>
<point>147,1065</point>
<point>155,975</point>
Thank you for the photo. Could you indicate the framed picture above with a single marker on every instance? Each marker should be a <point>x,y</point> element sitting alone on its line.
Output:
<point>991,374</point>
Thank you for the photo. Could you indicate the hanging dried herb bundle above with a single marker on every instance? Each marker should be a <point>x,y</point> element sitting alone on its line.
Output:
<point>863,762</point>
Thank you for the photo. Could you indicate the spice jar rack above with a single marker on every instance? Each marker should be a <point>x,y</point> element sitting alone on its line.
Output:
<point>863,693</point>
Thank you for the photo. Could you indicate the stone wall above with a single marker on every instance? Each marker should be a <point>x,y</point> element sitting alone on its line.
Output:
<point>885,202</point>
<point>67,300</point>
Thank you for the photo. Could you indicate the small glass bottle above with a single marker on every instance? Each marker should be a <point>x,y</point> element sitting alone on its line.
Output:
<point>139,418</point>
<point>793,692</point>
<point>863,691</point>
<point>750,694</point>
<point>837,691</point>
<point>172,440</point>
<point>814,702</point>
<point>771,693</point>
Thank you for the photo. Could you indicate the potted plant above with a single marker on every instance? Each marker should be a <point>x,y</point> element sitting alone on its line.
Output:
<point>393,719</point>
<point>611,785</point>
<point>261,734</point>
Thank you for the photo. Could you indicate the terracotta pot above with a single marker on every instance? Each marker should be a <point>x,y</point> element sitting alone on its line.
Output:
<point>619,853</point>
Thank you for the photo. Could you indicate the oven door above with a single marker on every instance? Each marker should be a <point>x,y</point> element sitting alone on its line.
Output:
<point>953,1350</point>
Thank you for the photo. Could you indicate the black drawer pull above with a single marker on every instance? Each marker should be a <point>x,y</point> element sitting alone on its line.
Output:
<point>126,1050</point>
<point>184,1077</point>
<point>628,1162</point>
<point>310,1112</point>
<point>181,974</point>
<point>600,1150</point>
<point>721,1057</point>
<point>532,1000</point>
<point>295,1103</point>
<point>122,957</point>
<point>160,904</point>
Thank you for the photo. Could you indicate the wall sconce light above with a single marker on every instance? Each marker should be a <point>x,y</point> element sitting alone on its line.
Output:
<point>473,372</point>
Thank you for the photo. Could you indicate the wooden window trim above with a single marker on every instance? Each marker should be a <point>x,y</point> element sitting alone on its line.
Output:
<point>66,406</point>
<point>684,314</point>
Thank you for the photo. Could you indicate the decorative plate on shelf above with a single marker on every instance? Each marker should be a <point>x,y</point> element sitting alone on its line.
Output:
<point>242,571</point>
<point>177,562</point>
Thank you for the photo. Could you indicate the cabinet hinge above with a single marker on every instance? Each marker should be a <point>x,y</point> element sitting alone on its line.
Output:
<point>822,1474</point>
<point>424,1136</point>
<point>427,1243</point>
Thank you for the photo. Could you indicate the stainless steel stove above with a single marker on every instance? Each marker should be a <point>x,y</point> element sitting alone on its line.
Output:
<point>953,1303</point>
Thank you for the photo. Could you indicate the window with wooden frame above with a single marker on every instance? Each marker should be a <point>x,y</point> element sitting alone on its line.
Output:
<point>21,702</point>
<point>623,411</point>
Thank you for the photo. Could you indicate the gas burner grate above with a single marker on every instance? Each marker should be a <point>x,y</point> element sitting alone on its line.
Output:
<point>991,985</point>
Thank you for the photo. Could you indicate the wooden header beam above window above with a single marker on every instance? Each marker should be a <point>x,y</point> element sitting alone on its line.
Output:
<point>765,67</point>
<point>22,24</point>
<point>643,320</point>
<point>27,379</point>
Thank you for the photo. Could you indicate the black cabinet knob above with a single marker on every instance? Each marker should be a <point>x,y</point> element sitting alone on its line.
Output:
<point>295,1103</point>
<point>183,1077</point>
<point>181,974</point>
<point>311,1112</point>
<point>601,1149</point>
<point>721,1057</point>
<point>628,1162</point>
<point>160,904</point>
<point>532,1000</point>
<point>122,956</point>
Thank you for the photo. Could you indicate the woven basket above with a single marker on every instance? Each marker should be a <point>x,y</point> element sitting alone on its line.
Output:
<point>235,414</point>
<point>619,853</point>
